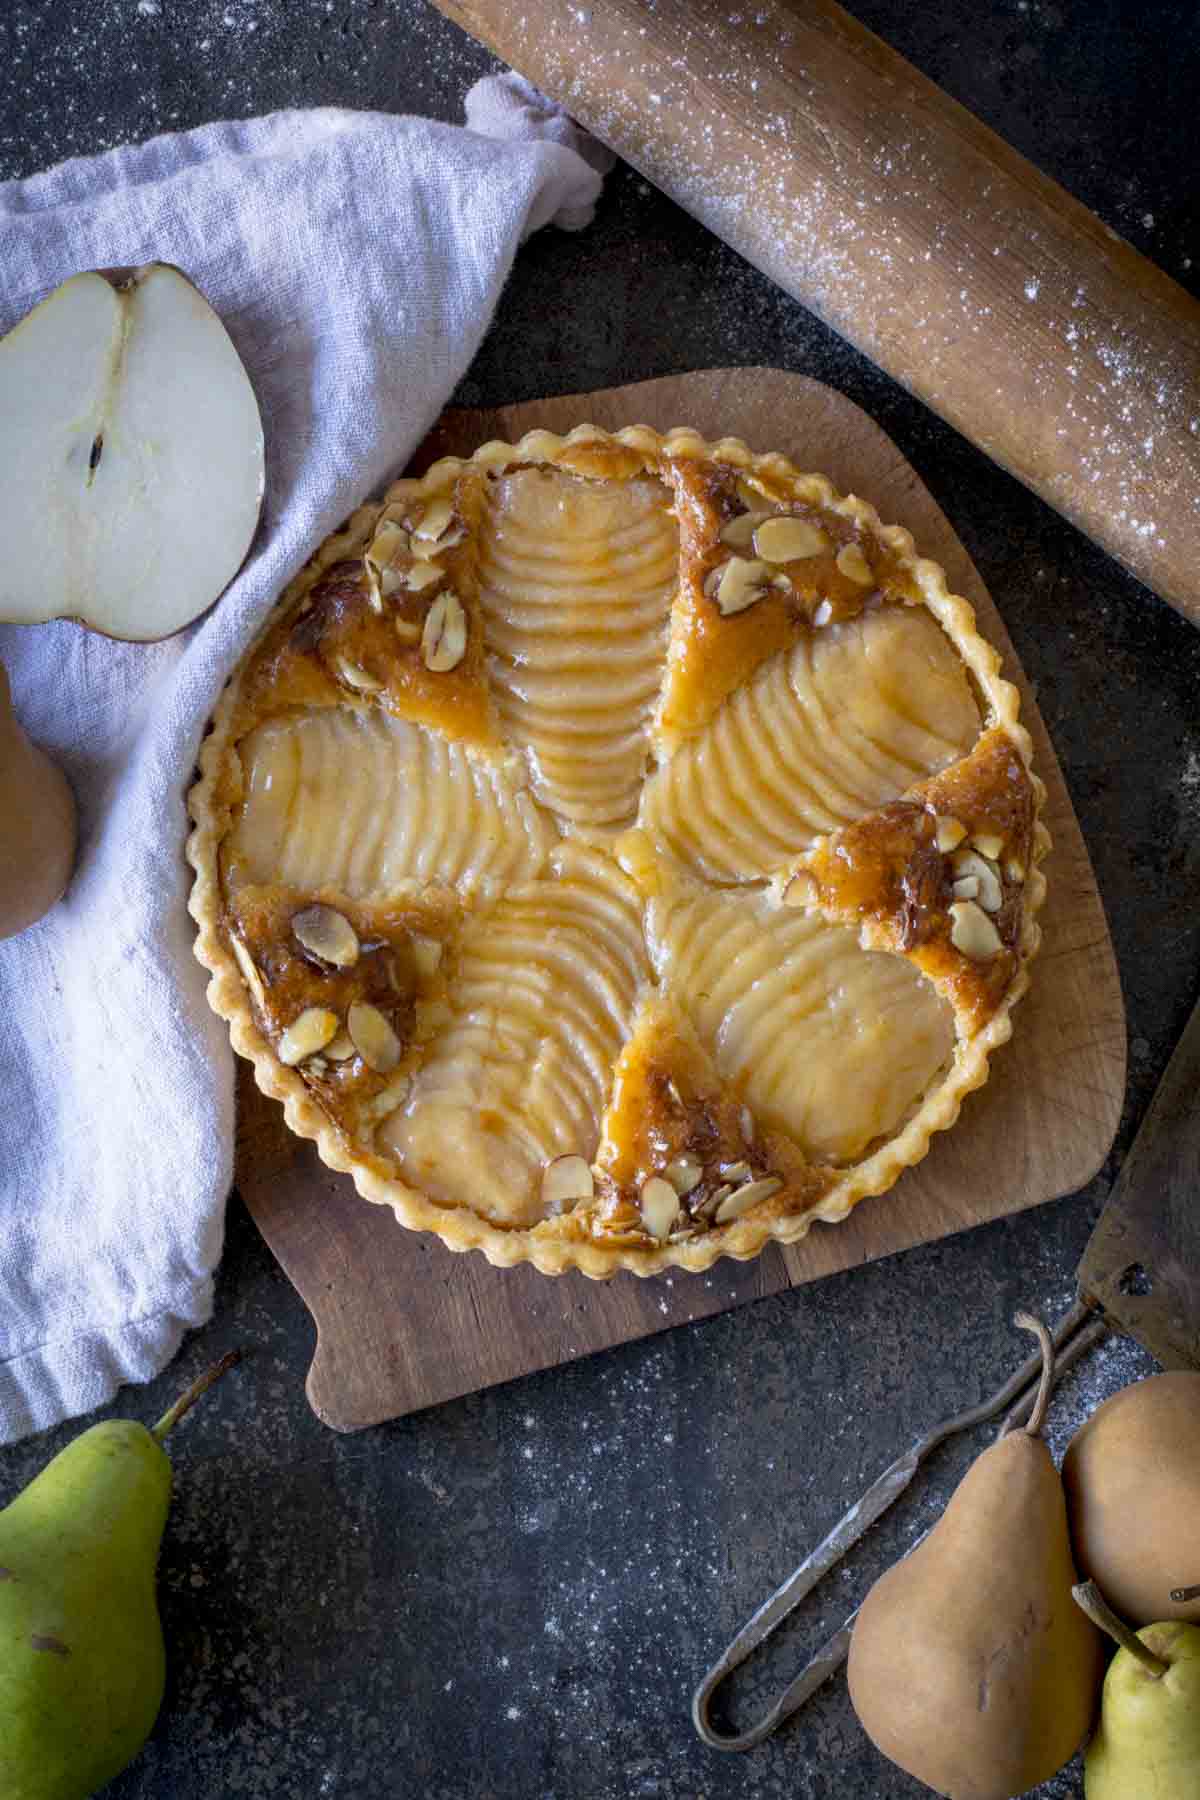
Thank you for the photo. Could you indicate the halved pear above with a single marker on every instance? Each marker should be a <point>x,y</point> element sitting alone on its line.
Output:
<point>131,456</point>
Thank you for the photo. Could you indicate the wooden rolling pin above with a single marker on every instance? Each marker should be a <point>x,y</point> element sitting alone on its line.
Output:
<point>867,193</point>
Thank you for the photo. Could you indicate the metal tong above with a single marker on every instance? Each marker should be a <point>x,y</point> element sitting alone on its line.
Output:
<point>1077,1332</point>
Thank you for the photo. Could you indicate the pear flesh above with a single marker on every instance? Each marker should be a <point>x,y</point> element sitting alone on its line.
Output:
<point>1148,1739</point>
<point>1132,1475</point>
<point>82,1665</point>
<point>970,1665</point>
<point>131,456</point>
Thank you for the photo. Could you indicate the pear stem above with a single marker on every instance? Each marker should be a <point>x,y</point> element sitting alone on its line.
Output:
<point>1037,1417</point>
<point>1090,1600</point>
<point>187,1400</point>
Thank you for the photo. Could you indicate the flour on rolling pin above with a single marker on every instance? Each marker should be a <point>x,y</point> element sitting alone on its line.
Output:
<point>867,193</point>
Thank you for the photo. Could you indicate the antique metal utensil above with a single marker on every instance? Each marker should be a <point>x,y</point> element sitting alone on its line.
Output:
<point>1139,1274</point>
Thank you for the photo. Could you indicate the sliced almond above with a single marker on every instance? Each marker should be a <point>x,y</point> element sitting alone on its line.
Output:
<point>743,1198</point>
<point>660,1206</point>
<point>750,496</point>
<point>823,613</point>
<point>341,1048</point>
<point>444,639</point>
<point>972,931</point>
<point>739,533</point>
<point>250,974</point>
<point>967,888</point>
<point>950,834</point>
<point>735,1171</point>
<point>328,934</point>
<point>434,522</point>
<point>988,844</point>
<point>373,1037</point>
<point>427,954</point>
<point>709,1205</point>
<point>357,677</point>
<point>565,1182</point>
<point>422,575</point>
<point>390,541</point>
<point>801,890</point>
<point>968,865</point>
<point>684,1174</point>
<point>307,1035</point>
<point>787,539</point>
<point>854,565</point>
<point>741,585</point>
<point>746,1122</point>
<point>407,631</point>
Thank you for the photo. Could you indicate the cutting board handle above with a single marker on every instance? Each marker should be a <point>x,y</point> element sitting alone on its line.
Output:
<point>869,194</point>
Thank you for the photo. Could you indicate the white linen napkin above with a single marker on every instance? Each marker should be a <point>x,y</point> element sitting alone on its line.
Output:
<point>356,259</point>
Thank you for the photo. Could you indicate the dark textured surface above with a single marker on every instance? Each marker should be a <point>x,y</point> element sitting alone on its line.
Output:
<point>512,1596</point>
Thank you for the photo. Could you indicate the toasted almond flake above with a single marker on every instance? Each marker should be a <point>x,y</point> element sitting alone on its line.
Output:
<point>307,1035</point>
<point>250,974</point>
<point>743,1198</point>
<point>823,613</point>
<point>950,834</point>
<point>565,1182</point>
<point>341,1048</point>
<point>660,1206</point>
<point>373,1037</point>
<point>423,575</point>
<point>316,1065</point>
<point>972,931</point>
<point>967,887</point>
<point>748,495</point>
<point>784,540</point>
<point>735,1171</point>
<point>407,631</point>
<point>854,565</point>
<point>427,954</point>
<point>746,1121</point>
<point>709,1205</point>
<point>968,865</point>
<point>782,582</point>
<point>739,533</point>
<point>444,639</point>
<point>740,585</point>
<point>357,677</point>
<point>389,542</point>
<point>801,890</point>
<point>434,522</point>
<point>685,1173</point>
<point>988,844</point>
<point>327,933</point>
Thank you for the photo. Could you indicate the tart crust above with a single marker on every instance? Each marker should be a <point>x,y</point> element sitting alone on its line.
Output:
<point>882,877</point>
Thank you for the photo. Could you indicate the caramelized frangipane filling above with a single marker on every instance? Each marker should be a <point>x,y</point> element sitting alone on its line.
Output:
<point>623,846</point>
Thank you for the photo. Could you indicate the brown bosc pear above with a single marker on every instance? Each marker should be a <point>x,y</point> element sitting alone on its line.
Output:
<point>970,1666</point>
<point>37,825</point>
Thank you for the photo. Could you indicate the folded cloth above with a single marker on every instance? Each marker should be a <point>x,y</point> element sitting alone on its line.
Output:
<point>355,259</point>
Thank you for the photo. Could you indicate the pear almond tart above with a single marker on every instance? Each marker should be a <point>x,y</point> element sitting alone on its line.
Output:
<point>618,852</point>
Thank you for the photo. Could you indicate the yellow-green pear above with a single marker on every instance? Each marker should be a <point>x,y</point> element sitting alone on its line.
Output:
<point>1147,1744</point>
<point>970,1665</point>
<point>81,1647</point>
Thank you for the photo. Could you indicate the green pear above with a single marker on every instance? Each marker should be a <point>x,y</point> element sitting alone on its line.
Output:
<point>1148,1740</point>
<point>82,1664</point>
<point>969,1665</point>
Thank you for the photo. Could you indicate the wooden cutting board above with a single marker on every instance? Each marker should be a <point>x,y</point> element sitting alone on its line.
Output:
<point>402,1323</point>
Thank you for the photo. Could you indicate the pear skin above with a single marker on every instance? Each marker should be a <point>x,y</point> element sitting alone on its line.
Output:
<point>82,1664</point>
<point>970,1665</point>
<point>1132,1475</point>
<point>1148,1738</point>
